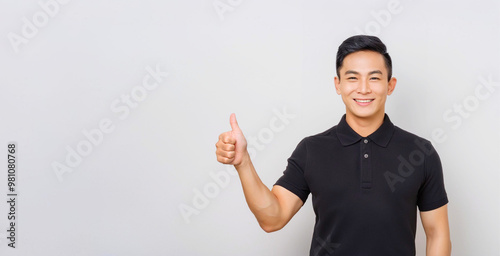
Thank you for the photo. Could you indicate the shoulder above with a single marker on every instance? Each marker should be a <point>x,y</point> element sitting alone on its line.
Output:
<point>401,135</point>
<point>319,142</point>
<point>415,148</point>
<point>331,133</point>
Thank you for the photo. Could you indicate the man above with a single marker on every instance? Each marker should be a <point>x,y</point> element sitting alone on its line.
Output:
<point>366,176</point>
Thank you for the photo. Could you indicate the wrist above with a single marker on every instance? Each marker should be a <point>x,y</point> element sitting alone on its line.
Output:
<point>245,162</point>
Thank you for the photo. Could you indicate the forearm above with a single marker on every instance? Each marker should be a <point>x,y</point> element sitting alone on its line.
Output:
<point>438,246</point>
<point>261,201</point>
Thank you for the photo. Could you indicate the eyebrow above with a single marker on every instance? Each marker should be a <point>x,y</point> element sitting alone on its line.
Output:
<point>357,73</point>
<point>375,72</point>
<point>351,72</point>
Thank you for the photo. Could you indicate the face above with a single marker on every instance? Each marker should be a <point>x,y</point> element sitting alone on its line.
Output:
<point>363,85</point>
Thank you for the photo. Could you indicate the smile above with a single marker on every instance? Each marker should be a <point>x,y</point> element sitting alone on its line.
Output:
<point>364,101</point>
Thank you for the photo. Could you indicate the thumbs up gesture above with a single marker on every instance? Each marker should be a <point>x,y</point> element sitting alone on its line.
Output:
<point>232,145</point>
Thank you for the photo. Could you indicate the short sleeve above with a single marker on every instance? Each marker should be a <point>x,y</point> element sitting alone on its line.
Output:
<point>432,193</point>
<point>293,177</point>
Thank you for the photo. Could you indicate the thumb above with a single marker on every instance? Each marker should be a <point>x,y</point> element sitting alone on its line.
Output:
<point>234,123</point>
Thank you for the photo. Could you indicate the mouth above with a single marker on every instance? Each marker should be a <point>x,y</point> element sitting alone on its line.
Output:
<point>364,100</point>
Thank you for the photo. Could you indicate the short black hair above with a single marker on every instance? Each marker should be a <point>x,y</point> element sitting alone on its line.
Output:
<point>363,43</point>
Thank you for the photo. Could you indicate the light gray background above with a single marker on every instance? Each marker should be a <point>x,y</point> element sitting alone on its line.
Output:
<point>254,59</point>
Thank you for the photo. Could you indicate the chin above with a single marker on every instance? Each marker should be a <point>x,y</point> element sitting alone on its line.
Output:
<point>364,115</point>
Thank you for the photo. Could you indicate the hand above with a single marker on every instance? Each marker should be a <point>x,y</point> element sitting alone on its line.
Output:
<point>232,145</point>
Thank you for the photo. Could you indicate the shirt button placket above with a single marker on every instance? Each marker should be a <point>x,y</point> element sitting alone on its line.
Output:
<point>366,170</point>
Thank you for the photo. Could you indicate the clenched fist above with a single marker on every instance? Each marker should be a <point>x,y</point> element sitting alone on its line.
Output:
<point>232,145</point>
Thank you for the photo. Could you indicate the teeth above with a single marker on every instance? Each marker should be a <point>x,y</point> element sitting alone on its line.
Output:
<point>363,101</point>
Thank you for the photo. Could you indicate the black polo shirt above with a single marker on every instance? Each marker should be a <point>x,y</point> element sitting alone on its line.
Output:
<point>365,190</point>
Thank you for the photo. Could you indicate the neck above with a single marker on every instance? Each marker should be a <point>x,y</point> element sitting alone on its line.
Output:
<point>365,126</point>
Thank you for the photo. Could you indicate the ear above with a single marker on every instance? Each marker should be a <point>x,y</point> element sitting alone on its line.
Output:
<point>337,84</point>
<point>392,85</point>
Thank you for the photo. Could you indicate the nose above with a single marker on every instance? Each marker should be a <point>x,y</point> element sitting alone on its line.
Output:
<point>364,87</point>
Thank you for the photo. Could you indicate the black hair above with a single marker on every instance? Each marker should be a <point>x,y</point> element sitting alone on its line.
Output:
<point>363,43</point>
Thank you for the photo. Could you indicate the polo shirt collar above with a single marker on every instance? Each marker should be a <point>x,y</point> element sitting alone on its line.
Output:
<point>381,136</point>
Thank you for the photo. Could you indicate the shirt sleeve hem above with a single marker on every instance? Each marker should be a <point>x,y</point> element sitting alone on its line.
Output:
<point>293,189</point>
<point>433,205</point>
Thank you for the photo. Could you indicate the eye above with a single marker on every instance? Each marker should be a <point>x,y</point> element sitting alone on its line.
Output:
<point>351,78</point>
<point>374,78</point>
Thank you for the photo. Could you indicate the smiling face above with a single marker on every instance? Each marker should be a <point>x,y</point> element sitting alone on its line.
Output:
<point>364,86</point>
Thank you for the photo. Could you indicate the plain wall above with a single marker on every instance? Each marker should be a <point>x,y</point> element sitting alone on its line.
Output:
<point>148,182</point>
